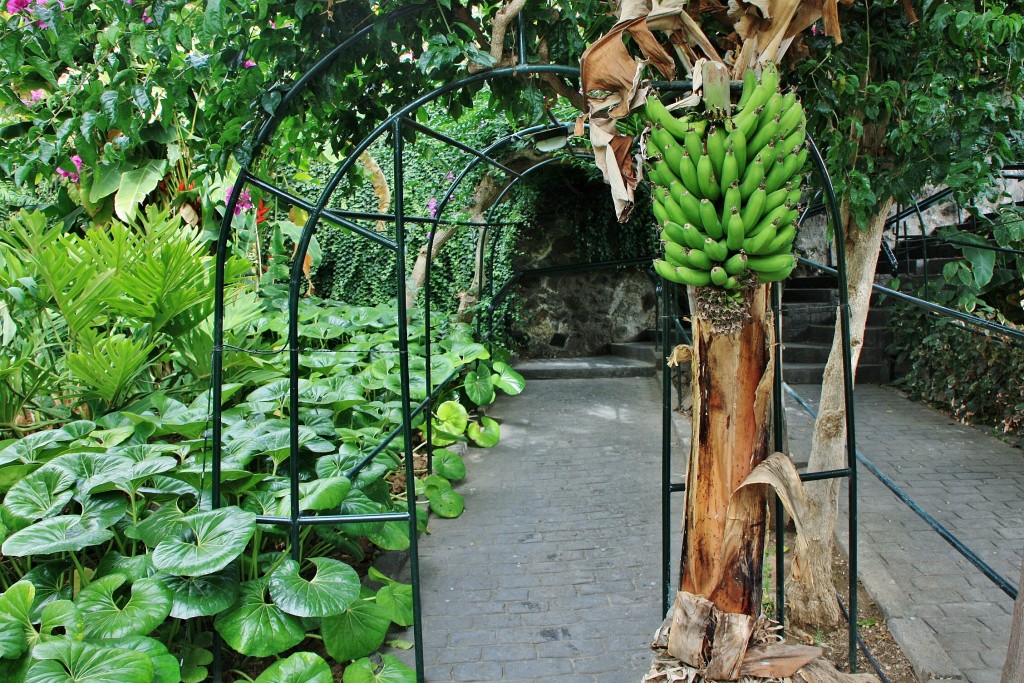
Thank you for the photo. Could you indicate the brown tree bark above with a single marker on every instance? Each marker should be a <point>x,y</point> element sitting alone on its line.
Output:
<point>1013,669</point>
<point>810,596</point>
<point>732,375</point>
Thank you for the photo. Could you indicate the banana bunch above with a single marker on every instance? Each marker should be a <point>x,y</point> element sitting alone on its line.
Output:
<point>726,189</point>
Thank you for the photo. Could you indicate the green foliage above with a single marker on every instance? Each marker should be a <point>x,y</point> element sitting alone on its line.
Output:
<point>898,106</point>
<point>977,378</point>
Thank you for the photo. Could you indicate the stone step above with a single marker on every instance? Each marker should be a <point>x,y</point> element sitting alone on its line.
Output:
<point>590,367</point>
<point>809,295</point>
<point>810,373</point>
<point>637,350</point>
<point>874,335</point>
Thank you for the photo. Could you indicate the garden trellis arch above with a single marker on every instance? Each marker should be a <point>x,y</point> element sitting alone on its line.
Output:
<point>318,211</point>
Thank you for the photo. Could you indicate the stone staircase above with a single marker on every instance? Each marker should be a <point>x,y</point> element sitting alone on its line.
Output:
<point>808,324</point>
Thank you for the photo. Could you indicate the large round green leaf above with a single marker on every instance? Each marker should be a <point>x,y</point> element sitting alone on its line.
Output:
<point>396,599</point>
<point>391,536</point>
<point>356,632</point>
<point>486,434</point>
<point>507,379</point>
<point>44,493</point>
<point>301,667</point>
<point>64,615</point>
<point>13,637</point>
<point>165,665</point>
<point>134,568</point>
<point>211,540</point>
<point>64,660</point>
<point>54,535</point>
<point>450,424</point>
<point>390,670</point>
<point>105,617</point>
<point>319,494</point>
<point>479,388</point>
<point>203,596</point>
<point>15,624</point>
<point>84,465</point>
<point>358,503</point>
<point>158,525</point>
<point>51,581</point>
<point>257,627</point>
<point>449,464</point>
<point>103,510</point>
<point>334,587</point>
<point>443,500</point>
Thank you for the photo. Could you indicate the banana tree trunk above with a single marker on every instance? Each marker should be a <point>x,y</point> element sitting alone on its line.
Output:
<point>732,376</point>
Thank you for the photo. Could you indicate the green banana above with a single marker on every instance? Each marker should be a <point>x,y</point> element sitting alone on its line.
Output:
<point>671,151</point>
<point>735,264</point>
<point>732,283</point>
<point>783,240</point>
<point>749,83</point>
<point>755,244</point>
<point>706,179</point>
<point>771,110</point>
<point>715,145</point>
<point>719,276</point>
<point>746,124</point>
<point>753,209</point>
<point>731,200</point>
<point>682,275</point>
<point>686,235</point>
<point>777,176</point>
<point>767,156</point>
<point>716,250</point>
<point>794,141</point>
<point>794,196</point>
<point>687,201</point>
<point>664,171</point>
<point>768,264</point>
<point>792,119</point>
<point>658,113</point>
<point>688,173</point>
<point>766,133</point>
<point>709,219</point>
<point>730,171</point>
<point>734,233</point>
<point>738,145</point>
<point>675,213</point>
<point>699,259</point>
<point>775,199</point>
<point>694,144</point>
<point>770,76</point>
<point>676,255</point>
<point>752,178</point>
<point>775,275</point>
<point>659,211</point>
<point>776,216</point>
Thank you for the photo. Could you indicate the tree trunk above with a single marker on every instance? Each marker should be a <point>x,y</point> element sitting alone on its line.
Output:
<point>1013,670</point>
<point>810,596</point>
<point>732,378</point>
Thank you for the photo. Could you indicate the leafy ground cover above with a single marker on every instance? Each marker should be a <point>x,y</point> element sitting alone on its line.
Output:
<point>118,564</point>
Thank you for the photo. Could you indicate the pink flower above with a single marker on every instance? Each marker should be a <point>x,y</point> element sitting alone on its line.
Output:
<point>432,207</point>
<point>249,64</point>
<point>37,95</point>
<point>146,19</point>
<point>244,202</point>
<point>72,176</point>
<point>450,177</point>
<point>15,6</point>
<point>273,24</point>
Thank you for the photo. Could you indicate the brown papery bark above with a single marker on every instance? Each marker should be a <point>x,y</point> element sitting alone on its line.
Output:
<point>732,376</point>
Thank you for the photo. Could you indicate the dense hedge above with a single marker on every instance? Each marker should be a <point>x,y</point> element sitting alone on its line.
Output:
<point>977,378</point>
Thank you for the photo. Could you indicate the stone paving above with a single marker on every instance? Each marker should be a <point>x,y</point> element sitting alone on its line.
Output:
<point>553,570</point>
<point>973,484</point>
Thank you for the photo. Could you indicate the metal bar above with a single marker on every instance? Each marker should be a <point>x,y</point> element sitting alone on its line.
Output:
<point>825,474</point>
<point>938,308</point>
<point>329,214</point>
<point>1003,584</point>
<point>778,427</point>
<point>863,646</point>
<point>404,374</point>
<point>666,455</point>
<point>420,128</point>
<point>521,38</point>
<point>919,206</point>
<point>844,328</point>
<point>987,247</point>
<point>309,520</point>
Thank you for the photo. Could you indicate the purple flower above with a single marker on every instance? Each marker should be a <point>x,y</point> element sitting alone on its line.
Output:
<point>73,176</point>
<point>37,95</point>
<point>273,24</point>
<point>15,6</point>
<point>450,177</point>
<point>244,202</point>
<point>432,207</point>
<point>249,64</point>
<point>146,19</point>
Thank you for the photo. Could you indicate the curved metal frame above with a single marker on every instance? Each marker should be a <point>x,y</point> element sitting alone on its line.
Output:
<point>396,123</point>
